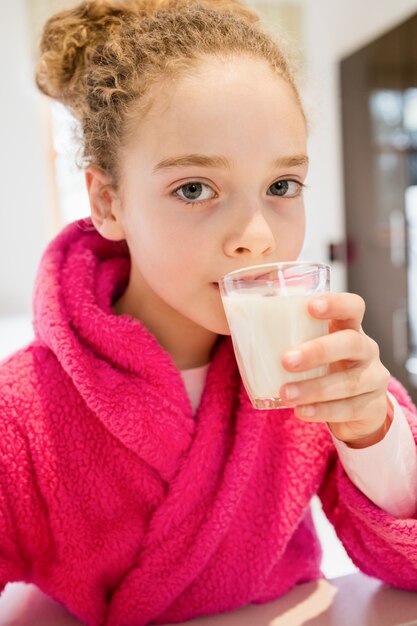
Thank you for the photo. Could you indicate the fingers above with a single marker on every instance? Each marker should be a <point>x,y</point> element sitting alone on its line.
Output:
<point>352,397</point>
<point>337,386</point>
<point>346,308</point>
<point>345,345</point>
<point>348,414</point>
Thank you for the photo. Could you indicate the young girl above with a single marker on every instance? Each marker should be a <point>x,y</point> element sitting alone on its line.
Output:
<point>137,483</point>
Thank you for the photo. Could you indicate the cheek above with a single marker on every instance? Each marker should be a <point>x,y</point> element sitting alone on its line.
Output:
<point>290,237</point>
<point>300,233</point>
<point>160,246</point>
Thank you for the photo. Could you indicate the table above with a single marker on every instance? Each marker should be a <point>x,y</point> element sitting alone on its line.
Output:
<point>354,600</point>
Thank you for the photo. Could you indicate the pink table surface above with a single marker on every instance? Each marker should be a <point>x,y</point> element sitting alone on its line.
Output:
<point>354,600</point>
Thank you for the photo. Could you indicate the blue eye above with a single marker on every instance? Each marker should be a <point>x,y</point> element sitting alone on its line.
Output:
<point>287,188</point>
<point>194,191</point>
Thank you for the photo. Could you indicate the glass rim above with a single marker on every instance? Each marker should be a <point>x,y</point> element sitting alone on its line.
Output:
<point>278,264</point>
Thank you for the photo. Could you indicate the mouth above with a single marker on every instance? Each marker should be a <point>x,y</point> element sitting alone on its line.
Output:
<point>260,276</point>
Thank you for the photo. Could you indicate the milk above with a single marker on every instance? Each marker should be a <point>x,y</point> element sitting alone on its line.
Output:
<point>263,327</point>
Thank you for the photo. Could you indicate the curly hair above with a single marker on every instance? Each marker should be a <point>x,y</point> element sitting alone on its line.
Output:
<point>102,58</point>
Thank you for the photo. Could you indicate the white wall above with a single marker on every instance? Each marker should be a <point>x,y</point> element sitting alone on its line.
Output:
<point>334,29</point>
<point>23,205</point>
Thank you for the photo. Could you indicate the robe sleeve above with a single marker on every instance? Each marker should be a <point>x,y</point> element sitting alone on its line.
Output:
<point>386,471</point>
<point>379,544</point>
<point>12,562</point>
<point>25,540</point>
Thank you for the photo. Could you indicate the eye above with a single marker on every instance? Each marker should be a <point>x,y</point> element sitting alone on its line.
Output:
<point>194,192</point>
<point>287,188</point>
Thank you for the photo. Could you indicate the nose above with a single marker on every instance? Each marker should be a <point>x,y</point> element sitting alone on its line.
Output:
<point>252,237</point>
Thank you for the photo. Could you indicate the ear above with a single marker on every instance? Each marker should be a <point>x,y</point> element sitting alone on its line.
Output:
<point>104,203</point>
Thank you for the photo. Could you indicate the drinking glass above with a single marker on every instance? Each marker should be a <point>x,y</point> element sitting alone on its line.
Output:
<point>266,309</point>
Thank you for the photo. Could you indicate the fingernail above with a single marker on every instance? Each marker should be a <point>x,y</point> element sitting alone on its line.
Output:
<point>306,411</point>
<point>293,358</point>
<point>291,392</point>
<point>320,305</point>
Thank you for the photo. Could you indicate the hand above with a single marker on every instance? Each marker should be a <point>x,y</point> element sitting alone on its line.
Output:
<point>352,396</point>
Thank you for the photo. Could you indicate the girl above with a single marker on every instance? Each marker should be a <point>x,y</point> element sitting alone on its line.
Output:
<point>137,483</point>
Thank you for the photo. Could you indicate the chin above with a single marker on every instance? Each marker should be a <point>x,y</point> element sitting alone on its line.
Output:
<point>213,319</point>
<point>220,328</point>
<point>225,333</point>
<point>224,330</point>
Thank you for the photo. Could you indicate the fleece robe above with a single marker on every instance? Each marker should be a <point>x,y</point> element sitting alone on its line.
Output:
<point>120,503</point>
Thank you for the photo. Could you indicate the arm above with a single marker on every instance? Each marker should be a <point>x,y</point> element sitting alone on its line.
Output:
<point>386,471</point>
<point>378,543</point>
<point>352,399</point>
<point>11,560</point>
<point>23,515</point>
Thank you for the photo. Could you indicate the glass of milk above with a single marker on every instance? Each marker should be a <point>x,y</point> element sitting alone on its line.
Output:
<point>266,309</point>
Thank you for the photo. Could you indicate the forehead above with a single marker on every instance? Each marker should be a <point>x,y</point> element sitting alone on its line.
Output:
<point>223,104</point>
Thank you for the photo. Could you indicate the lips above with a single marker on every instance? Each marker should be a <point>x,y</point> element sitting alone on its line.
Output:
<point>256,276</point>
<point>260,276</point>
<point>249,277</point>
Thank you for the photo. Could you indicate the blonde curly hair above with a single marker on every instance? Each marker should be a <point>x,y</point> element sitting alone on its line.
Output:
<point>102,58</point>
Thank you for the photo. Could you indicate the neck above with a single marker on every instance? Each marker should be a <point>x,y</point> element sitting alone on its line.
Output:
<point>189,344</point>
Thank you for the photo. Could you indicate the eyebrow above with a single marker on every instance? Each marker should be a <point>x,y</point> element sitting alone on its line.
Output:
<point>201,160</point>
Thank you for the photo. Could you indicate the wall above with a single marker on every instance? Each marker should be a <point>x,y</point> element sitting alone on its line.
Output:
<point>23,205</point>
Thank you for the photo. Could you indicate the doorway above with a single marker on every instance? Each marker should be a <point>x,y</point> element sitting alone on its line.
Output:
<point>379,126</point>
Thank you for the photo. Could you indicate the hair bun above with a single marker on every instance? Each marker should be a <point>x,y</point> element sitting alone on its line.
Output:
<point>70,37</point>
<point>102,58</point>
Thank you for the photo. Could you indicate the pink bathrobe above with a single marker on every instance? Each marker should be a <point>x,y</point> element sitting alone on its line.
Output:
<point>118,502</point>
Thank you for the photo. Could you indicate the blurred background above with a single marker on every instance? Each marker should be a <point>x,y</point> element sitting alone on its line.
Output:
<point>357,63</point>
